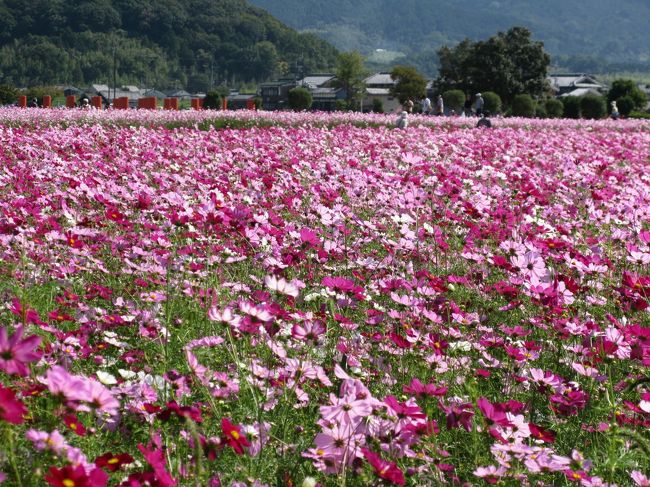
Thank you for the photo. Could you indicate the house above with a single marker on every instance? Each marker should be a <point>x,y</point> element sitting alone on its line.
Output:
<point>153,93</point>
<point>239,101</point>
<point>575,84</point>
<point>378,88</point>
<point>325,94</point>
<point>180,94</point>
<point>275,94</point>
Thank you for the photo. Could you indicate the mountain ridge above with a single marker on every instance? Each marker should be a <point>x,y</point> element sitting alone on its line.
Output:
<point>166,43</point>
<point>584,29</point>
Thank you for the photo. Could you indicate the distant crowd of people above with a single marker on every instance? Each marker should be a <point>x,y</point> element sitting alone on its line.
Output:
<point>475,109</point>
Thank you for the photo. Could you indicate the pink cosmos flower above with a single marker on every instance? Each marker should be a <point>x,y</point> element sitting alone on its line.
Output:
<point>15,353</point>
<point>156,459</point>
<point>458,414</point>
<point>419,389</point>
<point>640,479</point>
<point>491,474</point>
<point>281,286</point>
<point>308,330</point>
<point>346,410</point>
<point>530,265</point>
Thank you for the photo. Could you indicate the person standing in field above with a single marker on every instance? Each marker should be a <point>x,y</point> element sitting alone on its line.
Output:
<point>408,106</point>
<point>478,104</point>
<point>425,104</point>
<point>467,107</point>
<point>440,106</point>
<point>402,121</point>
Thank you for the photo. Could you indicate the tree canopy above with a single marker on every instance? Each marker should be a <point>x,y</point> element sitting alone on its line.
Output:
<point>409,83</point>
<point>165,43</point>
<point>350,73</point>
<point>508,64</point>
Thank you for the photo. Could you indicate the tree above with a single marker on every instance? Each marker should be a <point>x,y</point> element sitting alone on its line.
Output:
<point>571,106</point>
<point>300,98</point>
<point>508,64</point>
<point>212,100</point>
<point>523,105</point>
<point>350,73</point>
<point>554,108</point>
<point>492,102</point>
<point>626,87</point>
<point>454,99</point>
<point>8,95</point>
<point>409,84</point>
<point>593,106</point>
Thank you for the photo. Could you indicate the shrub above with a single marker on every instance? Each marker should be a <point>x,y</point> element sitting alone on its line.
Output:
<point>625,105</point>
<point>571,106</point>
<point>554,108</point>
<point>341,106</point>
<point>593,106</point>
<point>8,95</point>
<point>212,100</point>
<point>627,87</point>
<point>377,105</point>
<point>523,106</point>
<point>454,99</point>
<point>300,98</point>
<point>540,110</point>
<point>492,102</point>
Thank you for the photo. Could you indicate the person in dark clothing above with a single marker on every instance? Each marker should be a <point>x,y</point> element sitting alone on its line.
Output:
<point>484,121</point>
<point>33,103</point>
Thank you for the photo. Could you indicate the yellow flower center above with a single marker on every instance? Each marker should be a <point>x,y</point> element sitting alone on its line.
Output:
<point>68,483</point>
<point>234,434</point>
<point>113,461</point>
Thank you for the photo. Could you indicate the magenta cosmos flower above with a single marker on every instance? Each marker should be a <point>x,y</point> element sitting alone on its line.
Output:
<point>11,409</point>
<point>16,353</point>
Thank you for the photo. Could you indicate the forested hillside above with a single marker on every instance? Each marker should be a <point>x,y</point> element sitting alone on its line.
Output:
<point>165,43</point>
<point>593,31</point>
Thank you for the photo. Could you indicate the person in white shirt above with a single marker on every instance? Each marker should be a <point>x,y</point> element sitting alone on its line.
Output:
<point>425,103</point>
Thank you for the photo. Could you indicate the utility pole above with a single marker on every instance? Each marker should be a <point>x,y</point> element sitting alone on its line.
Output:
<point>114,71</point>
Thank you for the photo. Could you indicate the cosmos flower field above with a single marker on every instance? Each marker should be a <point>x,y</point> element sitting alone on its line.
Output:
<point>304,299</point>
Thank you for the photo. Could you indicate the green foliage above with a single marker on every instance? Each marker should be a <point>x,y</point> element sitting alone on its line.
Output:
<point>300,98</point>
<point>540,110</point>
<point>627,87</point>
<point>554,108</point>
<point>8,95</point>
<point>593,106</point>
<point>507,64</point>
<point>350,73</point>
<point>212,100</point>
<point>571,106</point>
<point>153,43</point>
<point>377,105</point>
<point>342,106</point>
<point>410,84</point>
<point>492,102</point>
<point>625,105</point>
<point>643,115</point>
<point>523,105</point>
<point>454,99</point>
